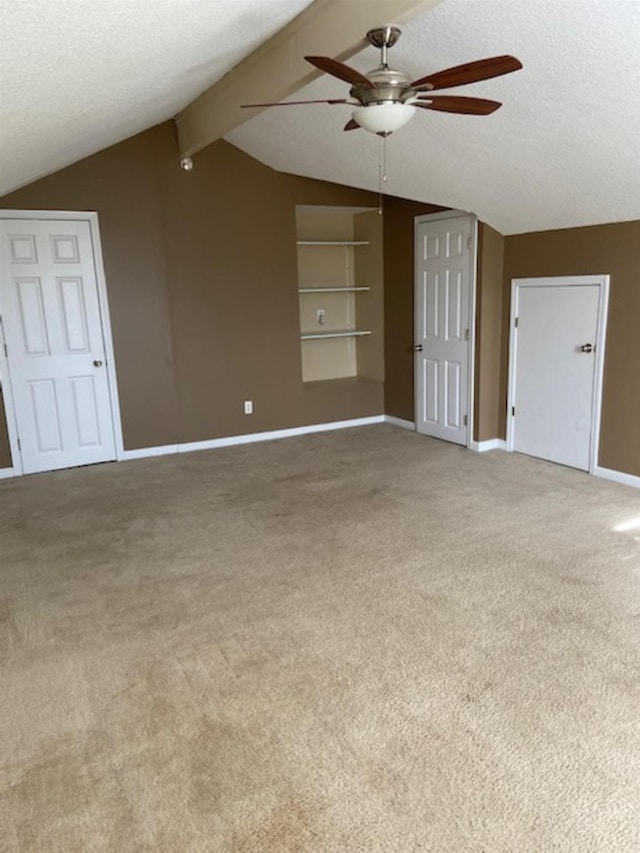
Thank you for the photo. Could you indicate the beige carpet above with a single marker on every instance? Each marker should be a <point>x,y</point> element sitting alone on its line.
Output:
<point>355,641</point>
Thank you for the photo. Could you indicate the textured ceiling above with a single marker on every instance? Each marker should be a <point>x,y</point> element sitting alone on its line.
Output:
<point>564,150</point>
<point>79,75</point>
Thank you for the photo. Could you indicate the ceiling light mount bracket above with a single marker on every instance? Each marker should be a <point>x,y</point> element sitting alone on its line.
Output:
<point>384,36</point>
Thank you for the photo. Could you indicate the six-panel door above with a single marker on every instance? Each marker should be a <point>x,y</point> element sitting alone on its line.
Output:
<point>442,321</point>
<point>55,347</point>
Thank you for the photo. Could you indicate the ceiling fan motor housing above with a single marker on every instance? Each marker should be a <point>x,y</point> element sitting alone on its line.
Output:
<point>387,85</point>
<point>383,108</point>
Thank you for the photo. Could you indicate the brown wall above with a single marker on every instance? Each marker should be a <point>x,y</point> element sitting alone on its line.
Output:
<point>398,303</point>
<point>201,277</point>
<point>612,249</point>
<point>231,259</point>
<point>123,184</point>
<point>489,406</point>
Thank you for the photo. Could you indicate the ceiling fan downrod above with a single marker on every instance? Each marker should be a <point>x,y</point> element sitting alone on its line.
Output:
<point>384,38</point>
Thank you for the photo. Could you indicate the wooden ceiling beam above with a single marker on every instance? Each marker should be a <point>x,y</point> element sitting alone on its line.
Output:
<point>334,28</point>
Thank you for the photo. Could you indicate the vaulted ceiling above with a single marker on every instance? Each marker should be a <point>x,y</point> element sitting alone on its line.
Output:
<point>79,75</point>
<point>562,151</point>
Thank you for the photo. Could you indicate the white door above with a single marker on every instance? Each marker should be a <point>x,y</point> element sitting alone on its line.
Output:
<point>555,347</point>
<point>443,290</point>
<point>55,347</point>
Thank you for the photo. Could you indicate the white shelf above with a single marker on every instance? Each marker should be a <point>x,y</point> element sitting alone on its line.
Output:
<point>337,333</point>
<point>333,289</point>
<point>332,243</point>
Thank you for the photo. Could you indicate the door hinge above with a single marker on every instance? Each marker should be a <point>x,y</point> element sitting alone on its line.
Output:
<point>466,334</point>
<point>19,445</point>
<point>513,410</point>
<point>466,420</point>
<point>6,351</point>
<point>469,243</point>
<point>516,323</point>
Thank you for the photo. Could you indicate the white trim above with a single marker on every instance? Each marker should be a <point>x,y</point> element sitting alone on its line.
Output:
<point>602,281</point>
<point>9,408</point>
<point>252,437</point>
<point>473,281</point>
<point>333,289</point>
<point>400,422</point>
<point>94,230</point>
<point>143,452</point>
<point>617,477</point>
<point>601,341</point>
<point>489,444</point>
<point>5,473</point>
<point>107,335</point>
<point>348,333</point>
<point>7,213</point>
<point>249,438</point>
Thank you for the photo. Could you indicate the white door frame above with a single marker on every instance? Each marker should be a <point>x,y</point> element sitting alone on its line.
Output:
<point>434,217</point>
<point>92,218</point>
<point>602,282</point>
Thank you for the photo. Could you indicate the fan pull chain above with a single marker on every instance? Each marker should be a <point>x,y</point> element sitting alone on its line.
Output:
<point>382,171</point>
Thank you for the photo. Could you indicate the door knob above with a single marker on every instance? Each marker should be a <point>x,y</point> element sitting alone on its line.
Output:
<point>586,348</point>
<point>97,363</point>
<point>417,348</point>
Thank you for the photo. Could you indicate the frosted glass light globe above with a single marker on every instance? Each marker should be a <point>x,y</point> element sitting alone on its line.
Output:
<point>385,117</point>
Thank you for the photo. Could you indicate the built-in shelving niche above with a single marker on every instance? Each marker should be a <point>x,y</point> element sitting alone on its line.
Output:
<point>340,281</point>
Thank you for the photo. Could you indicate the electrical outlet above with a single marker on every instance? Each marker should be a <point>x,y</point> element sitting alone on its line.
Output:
<point>248,407</point>
<point>321,316</point>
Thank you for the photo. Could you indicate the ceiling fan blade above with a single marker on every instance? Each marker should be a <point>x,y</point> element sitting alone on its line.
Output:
<point>340,70</point>
<point>294,103</point>
<point>454,104</point>
<point>470,72</point>
<point>351,125</point>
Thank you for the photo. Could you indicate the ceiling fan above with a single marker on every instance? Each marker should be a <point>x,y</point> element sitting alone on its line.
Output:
<point>386,99</point>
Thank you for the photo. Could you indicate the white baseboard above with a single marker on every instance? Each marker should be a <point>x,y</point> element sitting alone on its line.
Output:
<point>5,473</point>
<point>400,422</point>
<point>143,452</point>
<point>274,434</point>
<point>617,476</point>
<point>250,438</point>
<point>491,444</point>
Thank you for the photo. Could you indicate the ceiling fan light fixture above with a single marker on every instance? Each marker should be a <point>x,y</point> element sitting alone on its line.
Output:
<point>384,117</point>
<point>386,99</point>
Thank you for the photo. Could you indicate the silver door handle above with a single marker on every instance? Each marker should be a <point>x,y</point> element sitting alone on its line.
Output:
<point>417,348</point>
<point>97,363</point>
<point>586,348</point>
